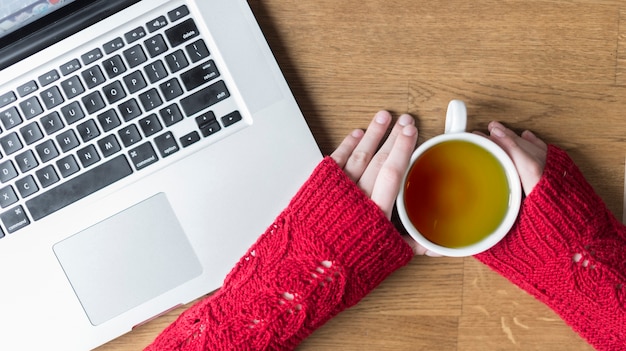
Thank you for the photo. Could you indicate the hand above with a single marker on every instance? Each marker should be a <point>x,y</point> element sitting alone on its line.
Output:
<point>379,171</point>
<point>526,150</point>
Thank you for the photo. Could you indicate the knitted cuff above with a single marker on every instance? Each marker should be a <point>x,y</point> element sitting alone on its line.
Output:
<point>328,249</point>
<point>568,251</point>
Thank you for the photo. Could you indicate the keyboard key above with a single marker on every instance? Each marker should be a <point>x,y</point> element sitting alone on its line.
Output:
<point>166,144</point>
<point>178,13</point>
<point>70,67</point>
<point>155,45</point>
<point>150,99</point>
<point>134,82</point>
<point>231,118</point>
<point>47,151</point>
<point>51,123</point>
<point>72,112</point>
<point>26,161</point>
<point>7,196</point>
<point>93,77</point>
<point>109,145</point>
<point>135,56</point>
<point>108,120</point>
<point>67,166</point>
<point>182,32</point>
<point>135,34</point>
<point>143,155</point>
<point>88,130</point>
<point>31,107</point>
<point>77,188</point>
<point>197,51</point>
<point>26,186</point>
<point>129,135</point>
<point>91,56</point>
<point>155,71</point>
<point>88,156</point>
<point>129,109</point>
<point>114,66</point>
<point>93,102</point>
<point>11,143</point>
<point>67,140</point>
<point>7,98</point>
<point>150,125</point>
<point>72,87</point>
<point>10,118</point>
<point>204,98</point>
<point>14,219</point>
<point>156,24</point>
<point>48,78</point>
<point>27,88</point>
<point>171,89</point>
<point>7,171</point>
<point>171,115</point>
<point>113,45</point>
<point>52,97</point>
<point>31,133</point>
<point>200,75</point>
<point>114,92</point>
<point>207,123</point>
<point>47,176</point>
<point>176,61</point>
<point>190,139</point>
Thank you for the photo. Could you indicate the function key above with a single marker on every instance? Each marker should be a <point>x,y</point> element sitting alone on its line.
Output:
<point>135,34</point>
<point>48,78</point>
<point>27,88</point>
<point>91,56</point>
<point>70,67</point>
<point>113,45</point>
<point>178,13</point>
<point>156,24</point>
<point>7,98</point>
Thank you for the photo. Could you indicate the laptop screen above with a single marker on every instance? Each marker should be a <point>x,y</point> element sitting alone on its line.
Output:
<point>15,14</point>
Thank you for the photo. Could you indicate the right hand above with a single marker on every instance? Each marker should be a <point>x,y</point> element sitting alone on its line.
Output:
<point>527,151</point>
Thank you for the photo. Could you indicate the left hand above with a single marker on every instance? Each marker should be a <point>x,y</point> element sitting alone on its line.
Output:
<point>379,171</point>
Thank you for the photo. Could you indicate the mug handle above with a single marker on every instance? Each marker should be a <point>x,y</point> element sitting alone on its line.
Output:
<point>456,117</point>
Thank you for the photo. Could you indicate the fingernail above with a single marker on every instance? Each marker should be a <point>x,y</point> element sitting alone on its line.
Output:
<point>497,132</point>
<point>382,117</point>
<point>405,120</point>
<point>357,133</point>
<point>409,130</point>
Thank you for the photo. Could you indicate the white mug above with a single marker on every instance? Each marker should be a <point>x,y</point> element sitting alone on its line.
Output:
<point>456,122</point>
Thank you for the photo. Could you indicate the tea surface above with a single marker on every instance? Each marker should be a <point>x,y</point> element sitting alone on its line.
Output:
<point>456,194</point>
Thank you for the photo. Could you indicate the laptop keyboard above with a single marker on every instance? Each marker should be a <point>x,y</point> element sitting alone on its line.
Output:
<point>113,110</point>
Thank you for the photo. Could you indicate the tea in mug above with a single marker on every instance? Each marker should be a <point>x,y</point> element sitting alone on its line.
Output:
<point>456,194</point>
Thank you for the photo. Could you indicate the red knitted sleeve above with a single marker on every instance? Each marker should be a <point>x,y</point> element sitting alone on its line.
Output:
<point>569,251</point>
<point>328,249</point>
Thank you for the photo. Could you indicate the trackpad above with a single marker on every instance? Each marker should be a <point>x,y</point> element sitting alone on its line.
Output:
<point>128,259</point>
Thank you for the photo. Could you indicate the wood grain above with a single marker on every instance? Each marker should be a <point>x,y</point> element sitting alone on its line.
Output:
<point>556,67</point>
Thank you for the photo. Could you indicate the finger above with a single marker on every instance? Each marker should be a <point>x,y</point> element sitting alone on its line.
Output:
<point>388,181</point>
<point>347,146</point>
<point>528,157</point>
<point>418,249</point>
<point>531,137</point>
<point>371,172</point>
<point>364,151</point>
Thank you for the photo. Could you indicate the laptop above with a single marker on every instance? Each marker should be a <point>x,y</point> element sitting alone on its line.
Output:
<point>145,145</point>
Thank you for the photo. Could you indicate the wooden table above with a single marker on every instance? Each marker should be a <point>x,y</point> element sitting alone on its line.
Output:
<point>556,67</point>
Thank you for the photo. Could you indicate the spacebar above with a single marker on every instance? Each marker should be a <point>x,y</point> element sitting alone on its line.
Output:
<point>79,187</point>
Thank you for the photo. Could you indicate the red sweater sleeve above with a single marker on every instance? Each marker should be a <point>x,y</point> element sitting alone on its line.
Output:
<point>328,249</point>
<point>569,252</point>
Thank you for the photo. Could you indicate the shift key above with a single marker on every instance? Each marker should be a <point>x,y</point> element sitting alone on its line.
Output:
<point>204,98</point>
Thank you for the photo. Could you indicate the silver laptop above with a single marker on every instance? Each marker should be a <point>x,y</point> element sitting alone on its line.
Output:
<point>144,147</point>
